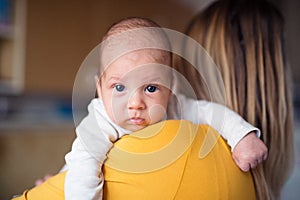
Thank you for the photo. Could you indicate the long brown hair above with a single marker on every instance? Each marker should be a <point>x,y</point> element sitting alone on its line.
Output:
<point>245,40</point>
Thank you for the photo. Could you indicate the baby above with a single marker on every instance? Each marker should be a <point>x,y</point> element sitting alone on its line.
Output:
<point>135,89</point>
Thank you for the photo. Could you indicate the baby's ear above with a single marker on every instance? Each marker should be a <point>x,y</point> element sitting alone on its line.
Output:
<point>98,87</point>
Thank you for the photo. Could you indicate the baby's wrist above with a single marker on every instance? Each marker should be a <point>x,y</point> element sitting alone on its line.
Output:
<point>252,133</point>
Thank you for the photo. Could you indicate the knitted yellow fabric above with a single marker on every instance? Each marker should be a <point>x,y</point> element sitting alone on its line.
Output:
<point>168,160</point>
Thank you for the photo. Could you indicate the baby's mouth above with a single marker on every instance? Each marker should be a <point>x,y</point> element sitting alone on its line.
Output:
<point>137,120</point>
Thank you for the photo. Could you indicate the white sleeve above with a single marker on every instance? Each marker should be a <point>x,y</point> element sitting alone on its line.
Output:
<point>229,124</point>
<point>95,137</point>
<point>84,179</point>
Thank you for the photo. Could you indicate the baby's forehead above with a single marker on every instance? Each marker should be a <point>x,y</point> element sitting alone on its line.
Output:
<point>141,56</point>
<point>151,41</point>
<point>150,55</point>
<point>138,73</point>
<point>146,61</point>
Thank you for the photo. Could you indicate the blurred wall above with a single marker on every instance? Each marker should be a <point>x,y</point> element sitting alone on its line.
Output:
<point>61,33</point>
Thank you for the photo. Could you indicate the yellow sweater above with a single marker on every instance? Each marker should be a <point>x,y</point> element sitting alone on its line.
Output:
<point>169,160</point>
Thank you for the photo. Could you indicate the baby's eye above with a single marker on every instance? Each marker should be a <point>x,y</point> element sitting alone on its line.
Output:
<point>119,87</point>
<point>151,88</point>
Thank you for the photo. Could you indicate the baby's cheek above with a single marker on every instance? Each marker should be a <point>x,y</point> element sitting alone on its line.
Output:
<point>119,107</point>
<point>156,113</point>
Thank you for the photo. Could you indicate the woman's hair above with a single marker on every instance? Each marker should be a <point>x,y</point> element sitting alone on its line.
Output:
<point>245,40</point>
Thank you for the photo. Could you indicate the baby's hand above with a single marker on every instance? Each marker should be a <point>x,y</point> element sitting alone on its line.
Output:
<point>42,180</point>
<point>249,152</point>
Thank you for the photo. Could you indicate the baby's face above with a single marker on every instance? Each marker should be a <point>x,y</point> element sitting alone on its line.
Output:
<point>135,90</point>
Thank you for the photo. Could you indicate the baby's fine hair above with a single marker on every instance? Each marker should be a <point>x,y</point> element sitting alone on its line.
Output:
<point>135,34</point>
<point>129,23</point>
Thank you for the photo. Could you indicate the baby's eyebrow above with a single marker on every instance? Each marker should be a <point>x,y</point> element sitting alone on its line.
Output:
<point>151,79</point>
<point>156,79</point>
<point>114,78</point>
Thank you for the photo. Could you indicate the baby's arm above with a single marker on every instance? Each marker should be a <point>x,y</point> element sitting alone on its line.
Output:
<point>84,179</point>
<point>248,150</point>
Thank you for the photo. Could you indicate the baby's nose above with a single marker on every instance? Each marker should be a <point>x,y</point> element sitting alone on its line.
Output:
<point>136,101</point>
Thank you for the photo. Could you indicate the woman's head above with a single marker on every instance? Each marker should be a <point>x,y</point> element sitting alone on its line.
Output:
<point>245,39</point>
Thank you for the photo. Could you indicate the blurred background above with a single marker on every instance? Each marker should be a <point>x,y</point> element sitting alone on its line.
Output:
<point>42,45</point>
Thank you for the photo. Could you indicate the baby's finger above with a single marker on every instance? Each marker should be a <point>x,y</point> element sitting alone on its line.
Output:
<point>38,182</point>
<point>265,156</point>
<point>254,164</point>
<point>47,177</point>
<point>244,167</point>
<point>260,159</point>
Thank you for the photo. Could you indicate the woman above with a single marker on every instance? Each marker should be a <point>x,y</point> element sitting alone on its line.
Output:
<point>245,39</point>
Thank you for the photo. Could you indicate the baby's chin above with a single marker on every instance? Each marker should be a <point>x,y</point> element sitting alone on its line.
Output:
<point>134,128</point>
<point>137,127</point>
